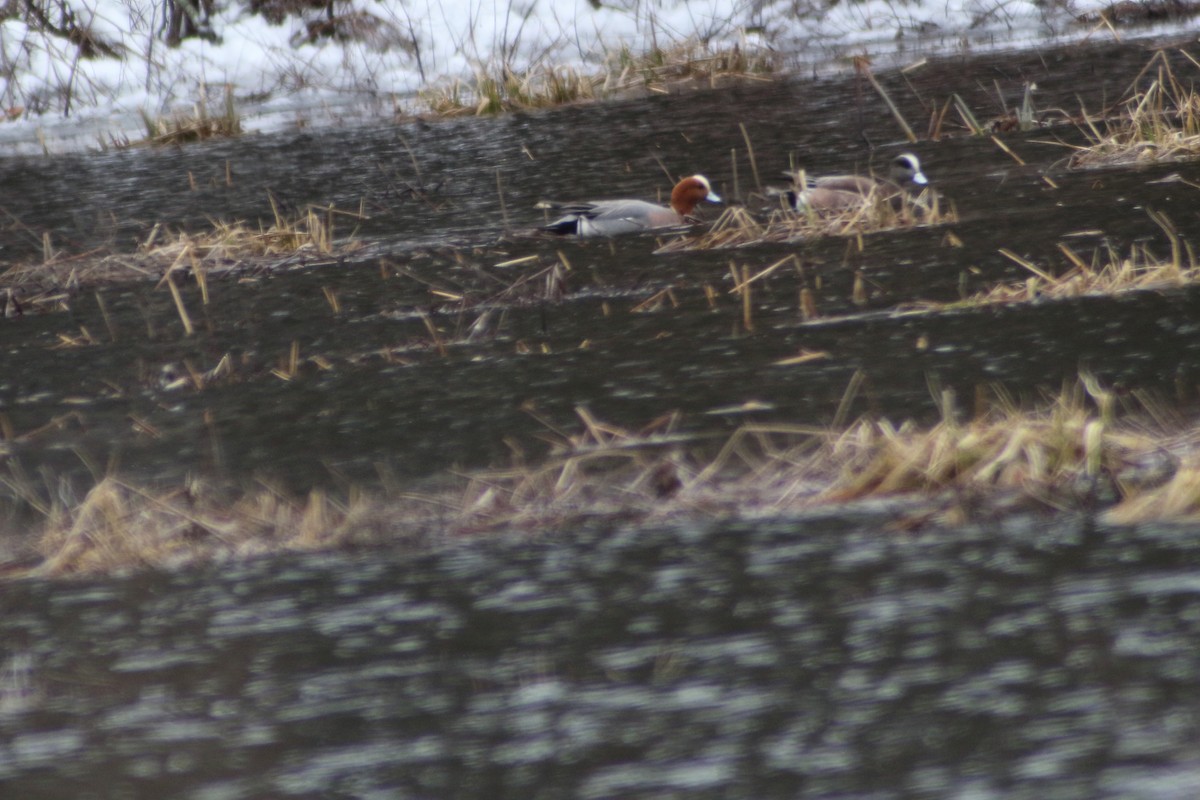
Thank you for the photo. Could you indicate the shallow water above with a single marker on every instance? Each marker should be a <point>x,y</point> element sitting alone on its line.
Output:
<point>815,657</point>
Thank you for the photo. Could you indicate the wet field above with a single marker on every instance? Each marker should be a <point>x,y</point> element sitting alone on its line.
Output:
<point>827,655</point>
<point>83,389</point>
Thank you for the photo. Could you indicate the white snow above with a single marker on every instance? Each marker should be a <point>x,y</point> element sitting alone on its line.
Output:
<point>55,100</point>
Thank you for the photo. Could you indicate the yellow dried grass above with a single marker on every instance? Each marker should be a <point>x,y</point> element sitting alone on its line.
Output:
<point>738,227</point>
<point>196,126</point>
<point>1105,272</point>
<point>226,246</point>
<point>119,527</point>
<point>311,231</point>
<point>1161,122</point>
<point>501,88</point>
<point>1076,452</point>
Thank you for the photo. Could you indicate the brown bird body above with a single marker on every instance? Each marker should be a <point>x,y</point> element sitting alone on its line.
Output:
<point>838,192</point>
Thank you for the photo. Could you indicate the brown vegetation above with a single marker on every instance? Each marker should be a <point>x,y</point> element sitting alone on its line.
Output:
<point>1106,272</point>
<point>1161,122</point>
<point>226,247</point>
<point>737,227</point>
<point>1076,452</point>
<point>502,88</point>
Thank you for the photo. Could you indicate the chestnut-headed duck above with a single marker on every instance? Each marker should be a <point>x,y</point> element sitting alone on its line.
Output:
<point>614,217</point>
<point>837,192</point>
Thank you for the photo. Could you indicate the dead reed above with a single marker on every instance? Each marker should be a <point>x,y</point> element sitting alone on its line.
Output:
<point>227,246</point>
<point>120,527</point>
<point>182,128</point>
<point>309,231</point>
<point>1106,271</point>
<point>501,88</point>
<point>1080,451</point>
<point>689,60</point>
<point>1161,122</point>
<point>1068,452</point>
<point>1023,118</point>
<point>505,89</point>
<point>880,211</point>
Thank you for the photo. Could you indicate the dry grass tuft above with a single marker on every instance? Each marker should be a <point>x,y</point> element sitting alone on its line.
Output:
<point>120,527</point>
<point>686,61</point>
<point>311,231</point>
<point>1177,500</point>
<point>1070,454</point>
<point>1161,123</point>
<point>737,227</point>
<point>506,90</point>
<point>502,88</point>
<point>1052,455</point>
<point>1074,453</point>
<point>197,126</point>
<point>228,246</point>
<point>1106,272</point>
<point>604,470</point>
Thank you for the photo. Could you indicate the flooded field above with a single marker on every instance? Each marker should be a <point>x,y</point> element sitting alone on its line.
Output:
<point>84,386</point>
<point>828,654</point>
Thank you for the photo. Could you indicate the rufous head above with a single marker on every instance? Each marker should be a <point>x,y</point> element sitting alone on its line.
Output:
<point>689,192</point>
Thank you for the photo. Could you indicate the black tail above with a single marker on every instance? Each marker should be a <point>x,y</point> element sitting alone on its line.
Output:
<point>567,226</point>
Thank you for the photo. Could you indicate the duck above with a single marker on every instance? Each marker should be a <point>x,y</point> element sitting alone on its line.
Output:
<point>840,192</point>
<point>615,217</point>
